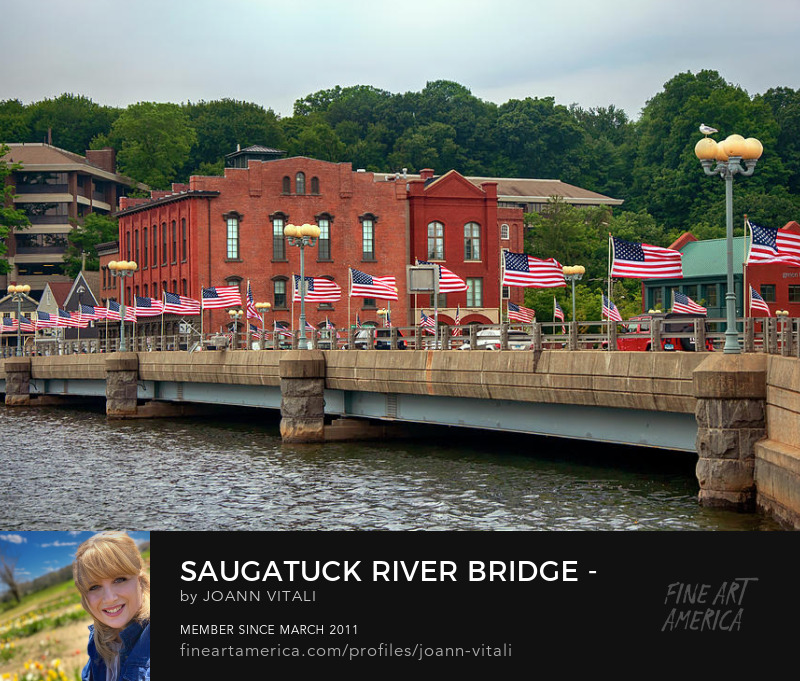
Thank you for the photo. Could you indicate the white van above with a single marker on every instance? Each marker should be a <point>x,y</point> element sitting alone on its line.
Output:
<point>489,339</point>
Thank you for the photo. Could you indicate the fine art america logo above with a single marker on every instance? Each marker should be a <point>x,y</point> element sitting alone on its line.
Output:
<point>706,607</point>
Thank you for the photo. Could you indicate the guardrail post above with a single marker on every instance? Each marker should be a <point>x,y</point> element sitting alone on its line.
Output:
<point>612,335</point>
<point>573,335</point>
<point>473,336</point>
<point>700,335</point>
<point>786,337</point>
<point>536,340</point>
<point>393,338</point>
<point>749,335</point>
<point>504,336</point>
<point>655,335</point>
<point>447,332</point>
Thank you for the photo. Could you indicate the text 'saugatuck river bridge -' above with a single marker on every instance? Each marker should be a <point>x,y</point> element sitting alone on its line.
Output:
<point>739,412</point>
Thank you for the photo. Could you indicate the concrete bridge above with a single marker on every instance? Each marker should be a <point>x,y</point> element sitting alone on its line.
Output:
<point>740,413</point>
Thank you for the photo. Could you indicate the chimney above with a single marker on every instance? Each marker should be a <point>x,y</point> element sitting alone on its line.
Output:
<point>426,174</point>
<point>105,159</point>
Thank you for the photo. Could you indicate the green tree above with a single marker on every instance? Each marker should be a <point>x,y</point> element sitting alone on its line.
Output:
<point>152,140</point>
<point>83,239</point>
<point>10,218</point>
<point>14,121</point>
<point>72,121</point>
<point>785,106</point>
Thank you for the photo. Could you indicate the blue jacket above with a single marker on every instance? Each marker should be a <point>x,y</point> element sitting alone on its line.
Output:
<point>134,658</point>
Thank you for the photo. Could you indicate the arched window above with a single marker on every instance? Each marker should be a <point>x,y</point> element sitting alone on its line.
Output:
<point>234,281</point>
<point>472,241</point>
<point>279,293</point>
<point>435,241</point>
<point>315,185</point>
<point>174,241</point>
<point>368,221</point>
<point>324,221</point>
<point>145,244</point>
<point>163,243</point>
<point>278,239</point>
<point>184,237</point>
<point>155,245</point>
<point>505,232</point>
<point>287,185</point>
<point>232,235</point>
<point>136,246</point>
<point>300,183</point>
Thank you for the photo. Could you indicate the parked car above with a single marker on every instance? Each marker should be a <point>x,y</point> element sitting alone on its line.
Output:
<point>489,339</point>
<point>383,339</point>
<point>634,334</point>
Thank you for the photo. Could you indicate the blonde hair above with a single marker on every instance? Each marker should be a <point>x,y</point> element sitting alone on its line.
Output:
<point>107,555</point>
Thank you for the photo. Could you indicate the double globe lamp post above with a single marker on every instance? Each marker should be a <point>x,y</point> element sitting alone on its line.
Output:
<point>18,293</point>
<point>573,273</point>
<point>725,159</point>
<point>122,269</point>
<point>262,309</point>
<point>302,236</point>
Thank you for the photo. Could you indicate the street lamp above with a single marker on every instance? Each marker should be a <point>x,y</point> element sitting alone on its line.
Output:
<point>573,273</point>
<point>728,156</point>
<point>302,236</point>
<point>263,308</point>
<point>122,269</point>
<point>18,294</point>
<point>234,314</point>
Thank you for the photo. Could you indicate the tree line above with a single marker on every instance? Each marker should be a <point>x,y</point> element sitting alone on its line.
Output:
<point>648,162</point>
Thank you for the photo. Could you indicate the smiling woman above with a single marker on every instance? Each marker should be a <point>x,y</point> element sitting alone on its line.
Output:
<point>115,590</point>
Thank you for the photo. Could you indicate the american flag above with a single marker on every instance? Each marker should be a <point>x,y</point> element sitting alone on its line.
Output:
<point>114,312</point>
<point>148,307</point>
<point>773,245</point>
<point>318,289</point>
<point>221,296</point>
<point>758,303</point>
<point>44,320</point>
<point>282,329</point>
<point>558,313</point>
<point>387,319</point>
<point>448,281</point>
<point>175,304</point>
<point>25,324</point>
<point>683,304</point>
<point>426,322</point>
<point>368,286</point>
<point>91,312</point>
<point>520,269</point>
<point>643,261</point>
<point>358,321</point>
<point>610,310</point>
<point>67,319</point>
<point>252,311</point>
<point>520,313</point>
<point>9,324</point>
<point>457,330</point>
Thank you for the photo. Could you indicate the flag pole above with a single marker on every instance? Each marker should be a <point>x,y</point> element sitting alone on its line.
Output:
<point>294,288</point>
<point>202,314</point>
<point>349,298</point>
<point>745,299</point>
<point>608,288</point>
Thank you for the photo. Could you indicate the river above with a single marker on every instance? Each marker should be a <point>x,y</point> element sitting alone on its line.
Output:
<point>68,468</point>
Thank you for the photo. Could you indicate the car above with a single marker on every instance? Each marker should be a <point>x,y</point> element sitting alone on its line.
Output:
<point>489,339</point>
<point>634,334</point>
<point>383,339</point>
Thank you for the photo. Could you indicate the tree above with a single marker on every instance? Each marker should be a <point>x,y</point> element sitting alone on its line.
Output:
<point>83,239</point>
<point>14,121</point>
<point>153,142</point>
<point>8,568</point>
<point>10,217</point>
<point>72,121</point>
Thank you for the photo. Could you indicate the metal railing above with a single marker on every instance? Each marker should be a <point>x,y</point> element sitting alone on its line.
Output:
<point>771,335</point>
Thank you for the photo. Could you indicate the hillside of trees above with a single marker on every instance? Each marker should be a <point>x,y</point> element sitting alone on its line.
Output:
<point>648,162</point>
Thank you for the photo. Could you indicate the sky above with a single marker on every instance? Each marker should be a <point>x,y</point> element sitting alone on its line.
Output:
<point>38,553</point>
<point>273,52</point>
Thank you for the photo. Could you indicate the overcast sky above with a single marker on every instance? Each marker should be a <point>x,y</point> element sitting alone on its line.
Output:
<point>273,52</point>
<point>37,553</point>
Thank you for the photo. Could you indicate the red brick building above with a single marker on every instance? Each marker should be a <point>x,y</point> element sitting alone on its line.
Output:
<point>219,231</point>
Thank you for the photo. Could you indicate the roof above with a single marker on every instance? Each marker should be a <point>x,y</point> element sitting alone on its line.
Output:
<point>60,290</point>
<point>709,258</point>
<point>256,149</point>
<point>528,190</point>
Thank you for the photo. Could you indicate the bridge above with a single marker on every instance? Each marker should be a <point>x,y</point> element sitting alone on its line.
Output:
<point>739,413</point>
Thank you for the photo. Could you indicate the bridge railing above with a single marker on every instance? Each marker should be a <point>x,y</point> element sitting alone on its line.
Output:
<point>771,335</point>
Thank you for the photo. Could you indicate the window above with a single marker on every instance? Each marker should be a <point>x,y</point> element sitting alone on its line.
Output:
<point>287,185</point>
<point>315,185</point>
<point>174,241</point>
<point>300,183</point>
<point>144,290</point>
<point>145,244</point>
<point>155,289</point>
<point>234,281</point>
<point>183,287</point>
<point>794,293</point>
<point>691,291</point>
<point>369,304</point>
<point>505,232</point>
<point>324,243</point>
<point>155,245</point>
<point>368,238</point>
<point>435,241</point>
<point>128,245</point>
<point>163,243</point>
<point>278,240</point>
<point>768,293</point>
<point>136,246</point>
<point>472,241</point>
<point>506,292</point>
<point>712,298</point>
<point>279,293</point>
<point>442,300</point>
<point>183,239</point>
<point>474,292</point>
<point>233,237</point>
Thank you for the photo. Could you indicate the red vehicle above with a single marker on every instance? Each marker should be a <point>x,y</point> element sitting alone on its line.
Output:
<point>634,334</point>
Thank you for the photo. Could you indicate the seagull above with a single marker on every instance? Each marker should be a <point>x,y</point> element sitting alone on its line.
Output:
<point>707,130</point>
